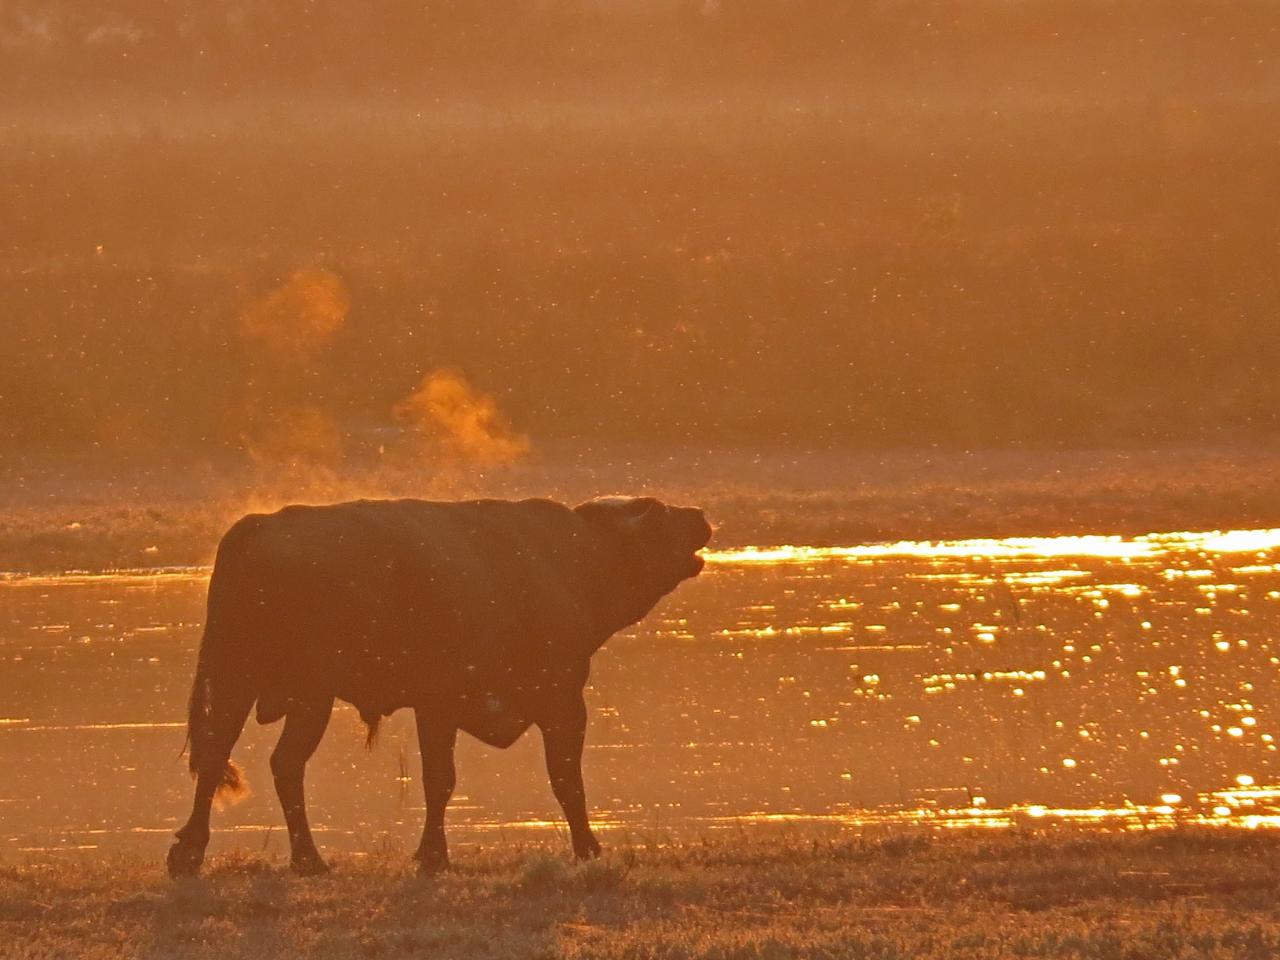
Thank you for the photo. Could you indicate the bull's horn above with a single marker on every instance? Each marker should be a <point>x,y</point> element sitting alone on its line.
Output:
<point>644,517</point>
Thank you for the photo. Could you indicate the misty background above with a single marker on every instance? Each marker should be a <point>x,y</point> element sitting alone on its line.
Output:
<point>264,226</point>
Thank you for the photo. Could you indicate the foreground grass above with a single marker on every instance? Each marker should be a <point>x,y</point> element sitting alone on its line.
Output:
<point>1167,895</point>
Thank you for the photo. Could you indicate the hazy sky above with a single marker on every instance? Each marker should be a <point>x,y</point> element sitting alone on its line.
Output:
<point>745,222</point>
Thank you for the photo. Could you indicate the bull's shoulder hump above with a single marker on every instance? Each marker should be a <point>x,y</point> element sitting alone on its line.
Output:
<point>491,504</point>
<point>543,505</point>
<point>531,507</point>
<point>494,515</point>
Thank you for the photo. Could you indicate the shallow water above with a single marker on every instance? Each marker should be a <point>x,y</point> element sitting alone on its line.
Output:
<point>1094,679</point>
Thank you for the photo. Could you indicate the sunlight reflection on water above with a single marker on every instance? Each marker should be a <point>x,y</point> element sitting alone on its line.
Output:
<point>1230,541</point>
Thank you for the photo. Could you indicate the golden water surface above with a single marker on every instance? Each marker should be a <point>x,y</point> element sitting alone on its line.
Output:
<point>1122,682</point>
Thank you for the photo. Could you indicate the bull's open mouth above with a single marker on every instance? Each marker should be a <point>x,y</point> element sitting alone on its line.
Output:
<point>690,538</point>
<point>700,561</point>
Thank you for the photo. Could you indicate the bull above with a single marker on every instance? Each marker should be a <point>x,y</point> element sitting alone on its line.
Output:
<point>482,616</point>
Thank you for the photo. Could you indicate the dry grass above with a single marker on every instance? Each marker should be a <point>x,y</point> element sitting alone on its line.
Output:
<point>1160,896</point>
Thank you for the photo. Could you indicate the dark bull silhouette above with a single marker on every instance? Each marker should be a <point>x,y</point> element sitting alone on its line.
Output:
<point>482,616</point>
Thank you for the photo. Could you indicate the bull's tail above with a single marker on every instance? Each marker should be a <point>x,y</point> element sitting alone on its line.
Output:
<point>202,737</point>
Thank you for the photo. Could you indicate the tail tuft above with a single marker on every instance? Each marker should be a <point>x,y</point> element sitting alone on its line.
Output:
<point>233,785</point>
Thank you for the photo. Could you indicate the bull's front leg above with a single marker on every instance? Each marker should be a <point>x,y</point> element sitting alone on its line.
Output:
<point>563,734</point>
<point>436,738</point>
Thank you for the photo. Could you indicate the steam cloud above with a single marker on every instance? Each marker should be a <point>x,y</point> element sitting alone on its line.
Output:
<point>291,326</point>
<point>301,316</point>
<point>294,325</point>
<point>460,421</point>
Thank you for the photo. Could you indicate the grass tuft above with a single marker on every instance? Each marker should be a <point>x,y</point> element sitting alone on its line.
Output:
<point>543,872</point>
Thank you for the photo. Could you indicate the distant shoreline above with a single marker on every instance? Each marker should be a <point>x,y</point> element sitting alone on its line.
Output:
<point>93,513</point>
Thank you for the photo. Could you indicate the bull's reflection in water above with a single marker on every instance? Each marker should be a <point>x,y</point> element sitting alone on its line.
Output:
<point>482,616</point>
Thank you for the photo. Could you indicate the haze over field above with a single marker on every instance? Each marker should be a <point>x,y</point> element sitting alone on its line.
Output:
<point>260,230</point>
<point>948,313</point>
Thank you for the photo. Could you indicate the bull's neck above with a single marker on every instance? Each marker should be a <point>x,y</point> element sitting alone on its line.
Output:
<point>622,593</point>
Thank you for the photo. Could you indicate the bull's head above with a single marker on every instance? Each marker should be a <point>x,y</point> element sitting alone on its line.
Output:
<point>655,546</point>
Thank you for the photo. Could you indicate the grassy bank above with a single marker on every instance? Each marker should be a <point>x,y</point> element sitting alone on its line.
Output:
<point>1165,895</point>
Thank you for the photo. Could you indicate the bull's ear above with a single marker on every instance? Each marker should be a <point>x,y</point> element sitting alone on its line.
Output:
<point>632,515</point>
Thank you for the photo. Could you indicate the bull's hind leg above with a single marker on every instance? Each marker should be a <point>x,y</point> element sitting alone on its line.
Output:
<point>218,734</point>
<point>304,726</point>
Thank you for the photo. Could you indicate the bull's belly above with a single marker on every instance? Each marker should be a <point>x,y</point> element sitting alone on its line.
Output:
<point>492,720</point>
<point>482,698</point>
<point>487,717</point>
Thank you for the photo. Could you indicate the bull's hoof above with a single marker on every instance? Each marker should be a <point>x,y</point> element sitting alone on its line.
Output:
<point>309,866</point>
<point>431,862</point>
<point>184,860</point>
<point>588,849</point>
